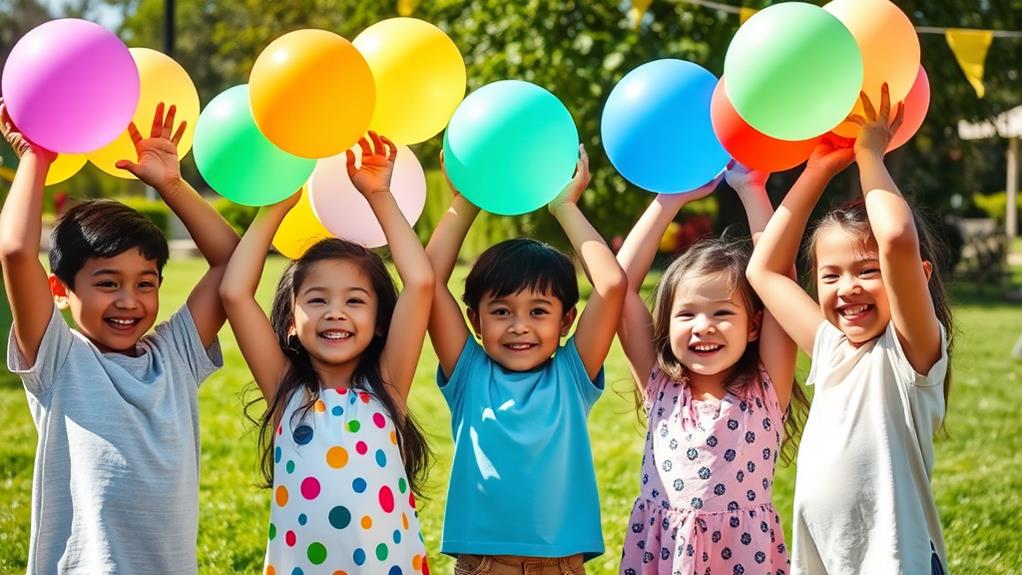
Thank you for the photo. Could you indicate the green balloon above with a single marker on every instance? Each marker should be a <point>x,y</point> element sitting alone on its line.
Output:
<point>793,71</point>
<point>237,160</point>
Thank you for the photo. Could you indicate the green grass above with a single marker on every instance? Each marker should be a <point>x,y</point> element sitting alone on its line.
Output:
<point>977,480</point>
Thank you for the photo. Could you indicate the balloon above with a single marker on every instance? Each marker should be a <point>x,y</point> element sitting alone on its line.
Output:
<point>889,46</point>
<point>65,166</point>
<point>656,127</point>
<point>344,210</point>
<point>510,147</point>
<point>420,78</point>
<point>239,162</point>
<point>70,86</point>
<point>162,80</point>
<point>793,71</point>
<point>917,104</point>
<point>749,146</point>
<point>312,93</point>
<point>300,230</point>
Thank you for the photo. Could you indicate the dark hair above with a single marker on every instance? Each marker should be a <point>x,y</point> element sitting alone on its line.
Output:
<point>102,229</point>
<point>301,378</point>
<point>519,264</point>
<point>731,257</point>
<point>852,217</point>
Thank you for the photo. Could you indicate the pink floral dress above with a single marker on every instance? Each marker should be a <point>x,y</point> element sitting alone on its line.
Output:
<point>705,506</point>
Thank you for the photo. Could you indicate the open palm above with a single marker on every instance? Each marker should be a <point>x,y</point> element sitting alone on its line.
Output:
<point>158,163</point>
<point>373,176</point>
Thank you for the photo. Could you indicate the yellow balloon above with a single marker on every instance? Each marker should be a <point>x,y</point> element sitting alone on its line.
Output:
<point>420,78</point>
<point>65,166</point>
<point>312,93</point>
<point>300,229</point>
<point>161,80</point>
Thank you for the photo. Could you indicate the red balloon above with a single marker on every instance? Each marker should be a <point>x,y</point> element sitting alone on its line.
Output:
<point>917,104</point>
<point>750,146</point>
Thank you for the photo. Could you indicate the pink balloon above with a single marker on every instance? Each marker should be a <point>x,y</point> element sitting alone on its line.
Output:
<point>346,213</point>
<point>70,86</point>
<point>917,104</point>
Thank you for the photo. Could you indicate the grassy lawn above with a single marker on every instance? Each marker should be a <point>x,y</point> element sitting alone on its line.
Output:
<point>978,481</point>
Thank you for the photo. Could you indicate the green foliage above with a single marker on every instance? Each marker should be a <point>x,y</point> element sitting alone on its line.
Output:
<point>155,210</point>
<point>994,205</point>
<point>237,215</point>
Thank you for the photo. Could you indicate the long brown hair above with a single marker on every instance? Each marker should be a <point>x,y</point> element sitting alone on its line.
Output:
<point>713,256</point>
<point>301,378</point>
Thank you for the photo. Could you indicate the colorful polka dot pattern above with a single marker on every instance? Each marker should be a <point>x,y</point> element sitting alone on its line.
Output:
<point>341,503</point>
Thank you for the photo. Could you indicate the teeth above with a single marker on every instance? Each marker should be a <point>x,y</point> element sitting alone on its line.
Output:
<point>520,346</point>
<point>854,310</point>
<point>124,322</point>
<point>336,334</point>
<point>706,347</point>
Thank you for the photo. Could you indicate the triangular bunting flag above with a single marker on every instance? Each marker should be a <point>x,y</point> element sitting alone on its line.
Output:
<point>638,10</point>
<point>745,13</point>
<point>406,7</point>
<point>970,49</point>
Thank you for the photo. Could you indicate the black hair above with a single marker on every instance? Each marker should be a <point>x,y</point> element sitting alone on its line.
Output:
<point>102,229</point>
<point>301,377</point>
<point>520,264</point>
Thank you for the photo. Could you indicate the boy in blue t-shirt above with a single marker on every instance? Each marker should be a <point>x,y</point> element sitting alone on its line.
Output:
<point>523,489</point>
<point>115,483</point>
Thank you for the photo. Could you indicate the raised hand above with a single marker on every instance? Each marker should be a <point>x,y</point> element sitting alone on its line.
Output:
<point>878,127</point>
<point>742,178</point>
<point>571,192</point>
<point>832,155</point>
<point>19,143</point>
<point>158,164</point>
<point>373,176</point>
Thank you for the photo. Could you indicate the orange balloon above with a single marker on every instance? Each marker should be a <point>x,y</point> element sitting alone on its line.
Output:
<point>312,93</point>
<point>889,46</point>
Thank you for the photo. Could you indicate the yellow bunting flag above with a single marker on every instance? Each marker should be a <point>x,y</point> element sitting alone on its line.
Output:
<point>638,10</point>
<point>970,49</point>
<point>744,13</point>
<point>406,7</point>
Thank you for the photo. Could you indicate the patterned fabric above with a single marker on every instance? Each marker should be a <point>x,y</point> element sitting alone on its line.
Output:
<point>705,505</point>
<point>341,500</point>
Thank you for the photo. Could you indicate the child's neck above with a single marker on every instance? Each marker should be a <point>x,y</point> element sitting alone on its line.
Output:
<point>709,387</point>
<point>335,376</point>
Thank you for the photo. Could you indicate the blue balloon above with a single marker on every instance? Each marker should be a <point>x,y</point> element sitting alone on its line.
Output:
<point>656,127</point>
<point>510,147</point>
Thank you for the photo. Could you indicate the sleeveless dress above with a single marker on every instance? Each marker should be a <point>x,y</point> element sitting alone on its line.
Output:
<point>705,505</point>
<point>341,500</point>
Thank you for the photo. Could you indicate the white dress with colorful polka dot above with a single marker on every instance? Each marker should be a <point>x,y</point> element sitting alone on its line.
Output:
<point>341,499</point>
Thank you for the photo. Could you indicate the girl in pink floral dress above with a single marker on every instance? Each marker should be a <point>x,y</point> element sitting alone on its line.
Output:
<point>716,376</point>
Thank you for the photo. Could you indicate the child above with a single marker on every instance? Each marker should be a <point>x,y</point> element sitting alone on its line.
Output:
<point>335,364</point>
<point>115,487</point>
<point>715,375</point>
<point>523,489</point>
<point>878,340</point>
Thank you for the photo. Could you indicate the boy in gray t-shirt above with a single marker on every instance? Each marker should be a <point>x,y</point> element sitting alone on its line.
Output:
<point>115,484</point>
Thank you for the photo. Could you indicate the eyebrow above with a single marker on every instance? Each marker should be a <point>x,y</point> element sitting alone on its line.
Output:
<point>118,272</point>
<point>502,300</point>
<point>323,289</point>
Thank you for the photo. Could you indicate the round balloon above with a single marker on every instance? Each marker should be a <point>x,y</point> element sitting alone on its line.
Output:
<point>65,166</point>
<point>794,71</point>
<point>70,86</point>
<point>510,147</point>
<point>239,162</point>
<point>750,146</point>
<point>889,46</point>
<point>917,104</point>
<point>312,93</point>
<point>344,210</point>
<point>162,80</point>
<point>420,78</point>
<point>656,127</point>
<point>300,229</point>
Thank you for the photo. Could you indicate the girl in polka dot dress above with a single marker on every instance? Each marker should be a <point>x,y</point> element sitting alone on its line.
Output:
<point>335,365</point>
<point>715,375</point>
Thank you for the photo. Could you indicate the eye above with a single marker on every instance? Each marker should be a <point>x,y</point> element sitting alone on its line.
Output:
<point>869,272</point>
<point>107,284</point>
<point>501,311</point>
<point>146,284</point>
<point>723,313</point>
<point>317,300</point>
<point>355,301</point>
<point>828,278</point>
<point>684,315</point>
<point>539,311</point>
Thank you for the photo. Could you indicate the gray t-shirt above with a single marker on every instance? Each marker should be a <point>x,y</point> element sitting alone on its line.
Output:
<point>115,485</point>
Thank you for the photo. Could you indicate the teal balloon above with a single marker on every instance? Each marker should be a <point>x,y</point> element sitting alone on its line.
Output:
<point>236,159</point>
<point>793,71</point>
<point>510,147</point>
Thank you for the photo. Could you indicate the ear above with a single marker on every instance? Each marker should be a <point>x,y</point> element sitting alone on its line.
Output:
<point>59,291</point>
<point>927,269</point>
<point>473,318</point>
<point>755,323</point>
<point>291,330</point>
<point>568,320</point>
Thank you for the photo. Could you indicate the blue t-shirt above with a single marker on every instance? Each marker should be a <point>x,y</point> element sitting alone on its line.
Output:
<point>522,480</point>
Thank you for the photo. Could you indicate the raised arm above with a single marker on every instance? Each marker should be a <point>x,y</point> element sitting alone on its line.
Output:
<point>635,330</point>
<point>447,329</point>
<point>893,225</point>
<point>411,314</point>
<point>777,351</point>
<point>251,327</point>
<point>774,255</point>
<point>25,279</point>
<point>159,166</point>
<point>599,320</point>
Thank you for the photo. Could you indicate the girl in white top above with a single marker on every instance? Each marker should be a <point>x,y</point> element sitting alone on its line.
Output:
<point>335,365</point>
<point>879,346</point>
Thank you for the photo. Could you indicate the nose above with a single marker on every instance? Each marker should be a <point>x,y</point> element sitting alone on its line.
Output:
<point>126,299</point>
<point>518,326</point>
<point>336,313</point>
<point>704,325</point>
<point>848,286</point>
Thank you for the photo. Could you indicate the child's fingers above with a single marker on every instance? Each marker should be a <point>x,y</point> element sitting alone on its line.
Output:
<point>351,163</point>
<point>168,122</point>
<point>366,149</point>
<point>179,133</point>
<point>391,149</point>
<point>127,165</point>
<point>899,117</point>
<point>885,101</point>
<point>157,127</point>
<point>133,133</point>
<point>856,119</point>
<point>378,148</point>
<point>867,106</point>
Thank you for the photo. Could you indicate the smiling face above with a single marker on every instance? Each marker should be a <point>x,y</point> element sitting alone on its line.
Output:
<point>115,300</point>
<point>520,331</point>
<point>849,285</point>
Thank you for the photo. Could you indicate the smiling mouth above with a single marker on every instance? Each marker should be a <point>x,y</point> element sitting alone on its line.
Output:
<point>520,346</point>
<point>122,323</point>
<point>705,348</point>
<point>335,335</point>
<point>853,312</point>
